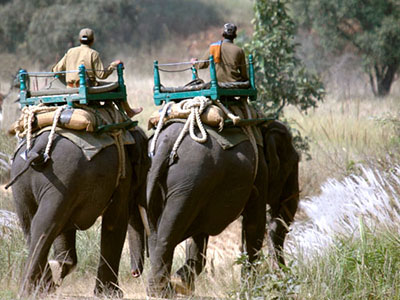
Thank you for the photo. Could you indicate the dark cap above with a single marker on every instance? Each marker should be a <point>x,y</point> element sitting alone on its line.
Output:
<point>86,34</point>
<point>230,29</point>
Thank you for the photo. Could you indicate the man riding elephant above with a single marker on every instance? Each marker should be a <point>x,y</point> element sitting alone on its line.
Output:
<point>90,58</point>
<point>230,60</point>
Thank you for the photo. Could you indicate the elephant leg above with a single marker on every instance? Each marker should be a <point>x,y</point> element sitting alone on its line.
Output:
<point>283,216</point>
<point>253,229</point>
<point>170,230</point>
<point>26,208</point>
<point>196,248</point>
<point>254,214</point>
<point>113,232</point>
<point>44,230</point>
<point>65,255</point>
<point>136,242</point>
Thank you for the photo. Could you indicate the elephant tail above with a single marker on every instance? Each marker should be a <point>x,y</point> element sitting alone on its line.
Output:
<point>159,165</point>
<point>33,157</point>
<point>36,156</point>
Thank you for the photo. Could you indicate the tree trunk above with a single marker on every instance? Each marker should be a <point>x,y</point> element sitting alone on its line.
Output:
<point>382,80</point>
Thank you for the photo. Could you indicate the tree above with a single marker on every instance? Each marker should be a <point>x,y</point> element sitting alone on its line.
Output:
<point>45,29</point>
<point>370,27</point>
<point>280,77</point>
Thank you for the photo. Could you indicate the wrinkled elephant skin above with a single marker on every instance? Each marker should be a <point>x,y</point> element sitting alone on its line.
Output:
<point>200,194</point>
<point>283,192</point>
<point>69,193</point>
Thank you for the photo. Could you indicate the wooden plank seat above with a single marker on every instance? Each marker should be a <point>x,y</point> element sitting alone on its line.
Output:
<point>213,89</point>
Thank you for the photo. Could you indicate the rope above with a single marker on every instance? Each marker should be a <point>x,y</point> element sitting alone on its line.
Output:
<point>58,72</point>
<point>116,134</point>
<point>173,71</point>
<point>27,117</point>
<point>249,132</point>
<point>53,131</point>
<point>160,125</point>
<point>194,107</point>
<point>182,63</point>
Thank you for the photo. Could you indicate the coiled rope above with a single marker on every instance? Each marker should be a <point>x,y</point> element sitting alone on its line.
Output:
<point>195,108</point>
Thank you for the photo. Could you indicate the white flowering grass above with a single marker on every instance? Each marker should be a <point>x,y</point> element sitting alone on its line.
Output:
<point>371,198</point>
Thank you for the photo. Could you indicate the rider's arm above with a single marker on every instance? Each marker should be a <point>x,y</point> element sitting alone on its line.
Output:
<point>242,67</point>
<point>98,67</point>
<point>61,65</point>
<point>204,65</point>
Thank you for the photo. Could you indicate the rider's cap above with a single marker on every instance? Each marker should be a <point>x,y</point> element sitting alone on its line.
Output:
<point>230,29</point>
<point>86,34</point>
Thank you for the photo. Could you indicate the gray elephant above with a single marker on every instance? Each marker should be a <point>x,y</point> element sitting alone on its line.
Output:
<point>56,198</point>
<point>283,181</point>
<point>197,194</point>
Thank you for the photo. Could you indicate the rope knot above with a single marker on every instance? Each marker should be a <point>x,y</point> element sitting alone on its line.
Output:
<point>194,107</point>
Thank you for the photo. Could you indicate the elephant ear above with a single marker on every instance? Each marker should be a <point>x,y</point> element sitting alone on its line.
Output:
<point>140,163</point>
<point>282,160</point>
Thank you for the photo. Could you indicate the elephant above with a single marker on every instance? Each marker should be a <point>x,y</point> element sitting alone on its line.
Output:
<point>198,193</point>
<point>283,181</point>
<point>66,193</point>
<point>283,196</point>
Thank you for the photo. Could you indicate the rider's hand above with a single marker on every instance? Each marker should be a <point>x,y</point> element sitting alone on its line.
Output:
<point>193,60</point>
<point>115,63</point>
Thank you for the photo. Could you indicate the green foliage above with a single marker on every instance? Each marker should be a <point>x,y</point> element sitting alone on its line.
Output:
<point>7,146</point>
<point>45,29</point>
<point>280,77</point>
<point>261,281</point>
<point>371,28</point>
<point>13,255</point>
<point>366,267</point>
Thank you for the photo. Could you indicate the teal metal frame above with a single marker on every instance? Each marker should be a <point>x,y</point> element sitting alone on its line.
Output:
<point>83,97</point>
<point>214,92</point>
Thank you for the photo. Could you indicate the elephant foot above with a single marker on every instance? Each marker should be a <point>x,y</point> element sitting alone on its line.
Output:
<point>181,286</point>
<point>60,269</point>
<point>56,270</point>
<point>160,290</point>
<point>109,290</point>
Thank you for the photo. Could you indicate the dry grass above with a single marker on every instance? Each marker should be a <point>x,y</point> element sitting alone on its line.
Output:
<point>345,134</point>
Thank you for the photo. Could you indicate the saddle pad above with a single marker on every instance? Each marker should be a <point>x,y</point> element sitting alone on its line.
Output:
<point>228,138</point>
<point>90,143</point>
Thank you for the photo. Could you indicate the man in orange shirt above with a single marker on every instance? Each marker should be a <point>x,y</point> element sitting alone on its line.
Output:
<point>230,60</point>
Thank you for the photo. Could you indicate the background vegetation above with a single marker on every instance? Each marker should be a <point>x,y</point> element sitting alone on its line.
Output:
<point>344,243</point>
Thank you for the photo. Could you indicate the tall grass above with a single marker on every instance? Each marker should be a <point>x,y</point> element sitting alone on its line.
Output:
<point>343,242</point>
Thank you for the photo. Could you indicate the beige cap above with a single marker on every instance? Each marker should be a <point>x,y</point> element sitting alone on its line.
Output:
<point>86,34</point>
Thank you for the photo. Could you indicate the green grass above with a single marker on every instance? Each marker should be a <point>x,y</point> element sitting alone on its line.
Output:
<point>13,253</point>
<point>7,147</point>
<point>354,268</point>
